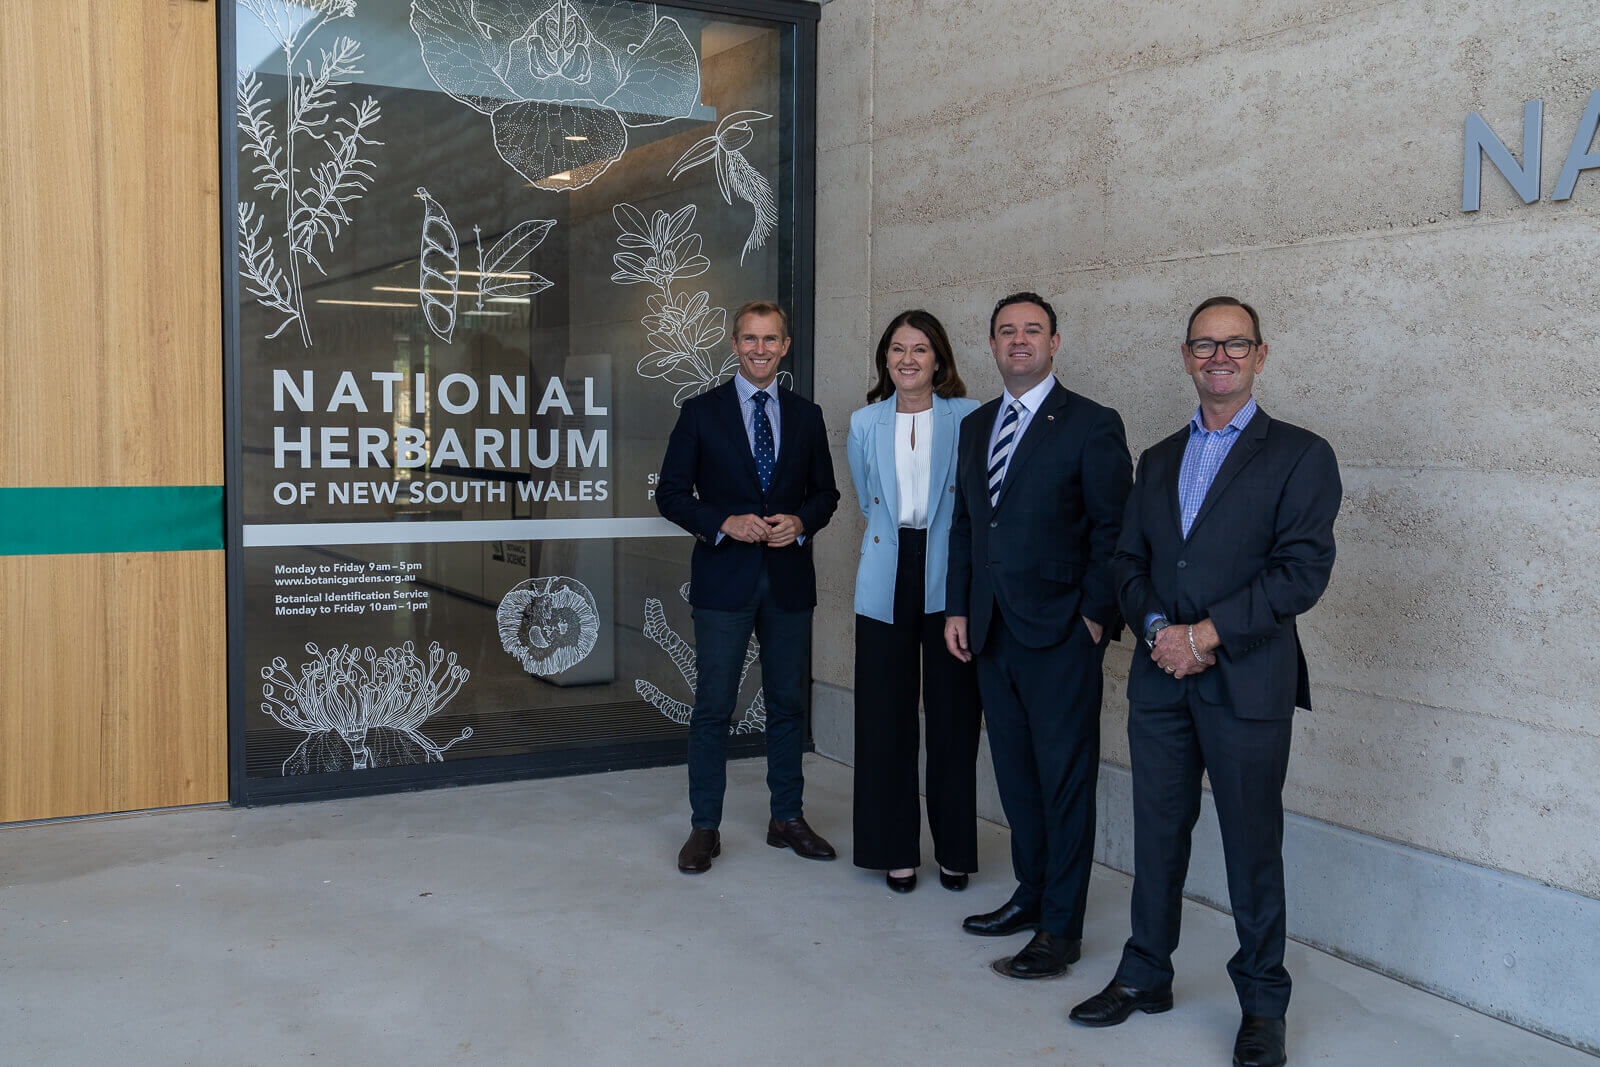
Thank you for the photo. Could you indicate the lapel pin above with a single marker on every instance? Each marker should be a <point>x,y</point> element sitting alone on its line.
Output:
<point>1050,418</point>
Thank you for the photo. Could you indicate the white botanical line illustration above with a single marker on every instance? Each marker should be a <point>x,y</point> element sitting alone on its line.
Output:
<point>562,86</point>
<point>317,198</point>
<point>359,708</point>
<point>549,624</point>
<point>439,287</point>
<point>497,277</point>
<point>754,719</point>
<point>735,175</point>
<point>440,260</point>
<point>685,331</point>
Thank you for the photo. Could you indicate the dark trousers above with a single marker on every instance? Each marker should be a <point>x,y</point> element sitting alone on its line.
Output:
<point>1169,747</point>
<point>897,665</point>
<point>1042,706</point>
<point>720,640</point>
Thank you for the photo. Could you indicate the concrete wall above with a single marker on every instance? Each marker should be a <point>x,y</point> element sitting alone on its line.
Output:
<point>1130,159</point>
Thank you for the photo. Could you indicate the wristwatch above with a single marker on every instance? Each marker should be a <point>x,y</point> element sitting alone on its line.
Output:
<point>1157,624</point>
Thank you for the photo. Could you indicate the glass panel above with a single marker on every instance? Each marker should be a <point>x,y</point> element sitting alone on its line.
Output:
<point>486,250</point>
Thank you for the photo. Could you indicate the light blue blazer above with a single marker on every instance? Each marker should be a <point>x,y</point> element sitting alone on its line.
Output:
<point>871,451</point>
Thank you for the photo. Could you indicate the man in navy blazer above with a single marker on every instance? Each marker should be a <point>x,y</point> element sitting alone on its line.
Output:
<point>1228,537</point>
<point>1043,474</point>
<point>748,473</point>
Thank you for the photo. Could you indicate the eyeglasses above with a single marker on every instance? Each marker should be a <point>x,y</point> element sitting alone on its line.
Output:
<point>1233,347</point>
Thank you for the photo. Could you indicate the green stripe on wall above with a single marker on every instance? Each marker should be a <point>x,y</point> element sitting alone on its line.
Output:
<point>110,518</point>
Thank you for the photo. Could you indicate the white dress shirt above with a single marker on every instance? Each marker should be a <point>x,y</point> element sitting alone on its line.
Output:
<point>1026,404</point>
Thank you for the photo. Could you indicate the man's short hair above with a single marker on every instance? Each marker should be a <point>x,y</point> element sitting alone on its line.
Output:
<point>1224,302</point>
<point>760,307</point>
<point>1023,298</point>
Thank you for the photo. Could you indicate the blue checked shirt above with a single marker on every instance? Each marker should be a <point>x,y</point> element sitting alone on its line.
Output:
<point>1202,458</point>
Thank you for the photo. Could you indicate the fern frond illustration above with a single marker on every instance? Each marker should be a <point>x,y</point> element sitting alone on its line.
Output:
<point>735,175</point>
<point>316,197</point>
<point>679,651</point>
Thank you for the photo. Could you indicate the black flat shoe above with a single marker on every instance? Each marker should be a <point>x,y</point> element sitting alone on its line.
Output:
<point>1260,1043</point>
<point>953,882</point>
<point>901,885</point>
<point>1116,1002</point>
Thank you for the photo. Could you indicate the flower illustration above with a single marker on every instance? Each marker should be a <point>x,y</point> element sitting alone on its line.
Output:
<point>675,252</point>
<point>360,708</point>
<point>735,175</point>
<point>562,87</point>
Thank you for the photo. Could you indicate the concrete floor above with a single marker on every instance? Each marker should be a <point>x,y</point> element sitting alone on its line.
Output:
<point>545,922</point>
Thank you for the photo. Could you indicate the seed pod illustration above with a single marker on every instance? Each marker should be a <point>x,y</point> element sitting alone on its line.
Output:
<point>441,260</point>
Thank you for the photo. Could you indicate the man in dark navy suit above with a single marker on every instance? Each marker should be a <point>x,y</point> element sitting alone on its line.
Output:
<point>747,471</point>
<point>1043,474</point>
<point>1228,537</point>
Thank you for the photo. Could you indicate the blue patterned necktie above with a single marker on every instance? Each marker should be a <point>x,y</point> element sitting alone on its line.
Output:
<point>1002,453</point>
<point>764,449</point>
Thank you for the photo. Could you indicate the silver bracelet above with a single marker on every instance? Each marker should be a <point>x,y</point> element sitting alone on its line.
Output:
<point>1198,658</point>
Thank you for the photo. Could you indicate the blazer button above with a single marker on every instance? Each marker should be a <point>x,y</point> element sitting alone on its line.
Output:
<point>994,524</point>
<point>1182,564</point>
<point>874,500</point>
<point>952,488</point>
<point>874,540</point>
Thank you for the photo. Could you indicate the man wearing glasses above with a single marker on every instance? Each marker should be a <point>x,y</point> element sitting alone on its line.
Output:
<point>1227,538</point>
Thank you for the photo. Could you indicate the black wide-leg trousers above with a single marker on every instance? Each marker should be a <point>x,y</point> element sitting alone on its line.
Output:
<point>898,665</point>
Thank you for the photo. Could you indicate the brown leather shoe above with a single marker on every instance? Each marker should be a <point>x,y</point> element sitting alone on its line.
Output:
<point>697,853</point>
<point>795,834</point>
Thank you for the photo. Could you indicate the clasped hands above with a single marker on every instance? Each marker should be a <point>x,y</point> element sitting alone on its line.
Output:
<point>774,531</point>
<point>1173,654</point>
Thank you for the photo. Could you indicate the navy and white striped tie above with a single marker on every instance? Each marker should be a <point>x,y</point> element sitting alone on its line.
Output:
<point>1002,453</point>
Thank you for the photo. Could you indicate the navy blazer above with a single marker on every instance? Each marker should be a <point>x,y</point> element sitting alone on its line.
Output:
<point>1259,553</point>
<point>709,473</point>
<point>872,468</point>
<point>1043,552</point>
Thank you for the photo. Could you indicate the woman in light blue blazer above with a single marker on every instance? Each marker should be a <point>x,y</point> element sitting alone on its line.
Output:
<point>903,460</point>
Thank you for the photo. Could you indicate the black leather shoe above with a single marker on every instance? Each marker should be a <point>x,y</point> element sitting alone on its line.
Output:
<point>1003,921</point>
<point>1260,1043</point>
<point>795,834</point>
<point>697,853</point>
<point>1046,956</point>
<point>1116,1002</point>
<point>953,882</point>
<point>901,885</point>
